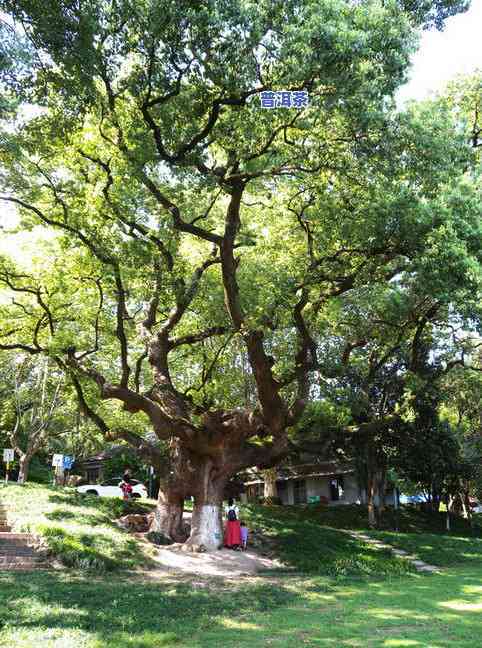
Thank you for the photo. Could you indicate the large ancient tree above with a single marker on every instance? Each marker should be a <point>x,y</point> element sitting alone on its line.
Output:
<point>202,242</point>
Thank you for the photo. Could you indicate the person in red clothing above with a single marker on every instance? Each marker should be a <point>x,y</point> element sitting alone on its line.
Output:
<point>232,534</point>
<point>126,488</point>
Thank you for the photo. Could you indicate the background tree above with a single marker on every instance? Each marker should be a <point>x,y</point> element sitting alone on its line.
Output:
<point>31,409</point>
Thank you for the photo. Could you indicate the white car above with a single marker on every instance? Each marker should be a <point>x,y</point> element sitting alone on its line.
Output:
<point>111,488</point>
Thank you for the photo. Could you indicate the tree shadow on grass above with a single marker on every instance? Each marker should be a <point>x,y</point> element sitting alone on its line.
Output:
<point>94,519</point>
<point>94,551</point>
<point>113,506</point>
<point>439,550</point>
<point>137,615</point>
<point>306,545</point>
<point>419,609</point>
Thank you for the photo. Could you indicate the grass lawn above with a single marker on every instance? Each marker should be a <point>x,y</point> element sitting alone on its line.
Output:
<point>79,531</point>
<point>59,610</point>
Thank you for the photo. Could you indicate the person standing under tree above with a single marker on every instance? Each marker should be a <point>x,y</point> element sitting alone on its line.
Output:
<point>126,488</point>
<point>232,535</point>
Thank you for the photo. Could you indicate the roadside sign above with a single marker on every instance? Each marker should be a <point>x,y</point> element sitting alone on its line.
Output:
<point>8,455</point>
<point>58,460</point>
<point>68,461</point>
<point>313,499</point>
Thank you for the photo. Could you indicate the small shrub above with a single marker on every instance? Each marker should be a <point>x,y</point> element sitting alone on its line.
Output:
<point>271,501</point>
<point>158,538</point>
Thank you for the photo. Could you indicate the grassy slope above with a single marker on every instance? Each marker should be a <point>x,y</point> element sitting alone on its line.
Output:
<point>441,550</point>
<point>79,531</point>
<point>307,539</point>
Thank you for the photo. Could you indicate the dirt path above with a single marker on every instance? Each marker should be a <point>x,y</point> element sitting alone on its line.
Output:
<point>225,562</point>
<point>419,565</point>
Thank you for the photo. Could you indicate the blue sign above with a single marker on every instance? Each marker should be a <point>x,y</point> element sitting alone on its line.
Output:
<point>68,461</point>
<point>284,99</point>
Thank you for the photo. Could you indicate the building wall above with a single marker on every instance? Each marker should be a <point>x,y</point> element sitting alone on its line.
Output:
<point>285,492</point>
<point>321,486</point>
<point>317,486</point>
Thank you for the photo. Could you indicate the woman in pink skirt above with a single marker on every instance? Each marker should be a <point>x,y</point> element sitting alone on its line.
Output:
<point>232,534</point>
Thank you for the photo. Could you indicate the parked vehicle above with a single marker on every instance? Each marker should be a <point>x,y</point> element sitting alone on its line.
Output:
<point>412,499</point>
<point>111,488</point>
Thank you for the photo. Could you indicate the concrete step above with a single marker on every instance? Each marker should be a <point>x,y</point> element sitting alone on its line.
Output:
<point>16,536</point>
<point>4,528</point>
<point>24,560</point>
<point>9,539</point>
<point>26,568</point>
<point>14,550</point>
<point>23,566</point>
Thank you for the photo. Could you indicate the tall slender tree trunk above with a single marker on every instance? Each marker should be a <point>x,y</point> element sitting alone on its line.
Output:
<point>24,465</point>
<point>381,487</point>
<point>371,485</point>
<point>449,503</point>
<point>468,509</point>
<point>463,505</point>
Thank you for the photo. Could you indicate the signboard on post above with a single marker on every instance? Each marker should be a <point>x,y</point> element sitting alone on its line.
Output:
<point>58,461</point>
<point>8,455</point>
<point>68,461</point>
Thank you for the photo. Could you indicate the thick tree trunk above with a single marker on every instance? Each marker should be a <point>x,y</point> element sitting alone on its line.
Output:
<point>270,488</point>
<point>206,523</point>
<point>206,528</point>
<point>201,467</point>
<point>168,518</point>
<point>175,486</point>
<point>24,465</point>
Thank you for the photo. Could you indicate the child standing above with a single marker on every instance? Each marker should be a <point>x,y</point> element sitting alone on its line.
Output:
<point>126,488</point>
<point>244,535</point>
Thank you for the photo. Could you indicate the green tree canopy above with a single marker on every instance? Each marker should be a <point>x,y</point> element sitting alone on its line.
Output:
<point>201,238</point>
